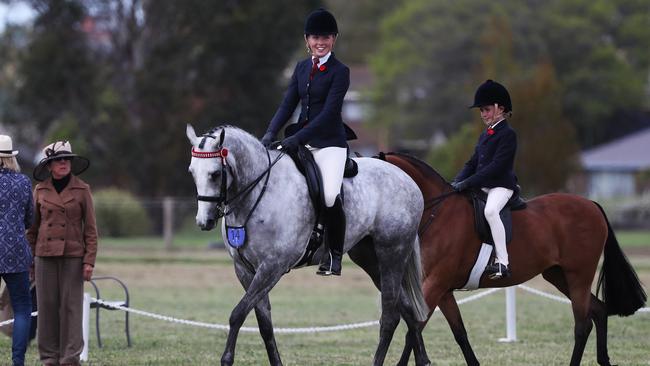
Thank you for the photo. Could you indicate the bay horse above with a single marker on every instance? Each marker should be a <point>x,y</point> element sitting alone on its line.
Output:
<point>267,218</point>
<point>561,236</point>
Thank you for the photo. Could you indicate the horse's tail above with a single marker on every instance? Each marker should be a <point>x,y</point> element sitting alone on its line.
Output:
<point>413,283</point>
<point>622,292</point>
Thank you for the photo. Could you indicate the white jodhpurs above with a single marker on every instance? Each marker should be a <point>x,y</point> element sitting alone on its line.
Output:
<point>331,163</point>
<point>496,199</point>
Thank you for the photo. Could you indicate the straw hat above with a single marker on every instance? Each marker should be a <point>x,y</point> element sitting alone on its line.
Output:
<point>6,147</point>
<point>57,150</point>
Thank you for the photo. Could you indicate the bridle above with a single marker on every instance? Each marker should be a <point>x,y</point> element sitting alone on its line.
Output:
<point>222,199</point>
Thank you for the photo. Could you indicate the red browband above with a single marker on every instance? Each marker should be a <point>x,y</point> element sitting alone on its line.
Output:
<point>210,154</point>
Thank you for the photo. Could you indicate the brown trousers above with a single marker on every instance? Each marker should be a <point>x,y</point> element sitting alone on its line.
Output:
<point>59,295</point>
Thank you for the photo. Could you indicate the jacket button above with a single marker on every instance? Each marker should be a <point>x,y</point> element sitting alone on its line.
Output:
<point>50,225</point>
<point>48,239</point>
<point>49,211</point>
<point>63,225</point>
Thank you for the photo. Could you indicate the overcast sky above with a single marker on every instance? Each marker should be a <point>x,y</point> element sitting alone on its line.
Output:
<point>17,12</point>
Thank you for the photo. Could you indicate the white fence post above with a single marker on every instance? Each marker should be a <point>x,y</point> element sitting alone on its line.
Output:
<point>168,222</point>
<point>511,316</point>
<point>85,326</point>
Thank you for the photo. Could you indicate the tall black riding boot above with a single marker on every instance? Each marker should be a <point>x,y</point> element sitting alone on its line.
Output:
<point>335,222</point>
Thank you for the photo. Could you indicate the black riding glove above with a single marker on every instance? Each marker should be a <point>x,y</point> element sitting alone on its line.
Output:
<point>290,144</point>
<point>460,186</point>
<point>268,138</point>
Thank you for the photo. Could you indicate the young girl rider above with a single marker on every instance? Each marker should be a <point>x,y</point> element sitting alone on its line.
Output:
<point>491,168</point>
<point>319,83</point>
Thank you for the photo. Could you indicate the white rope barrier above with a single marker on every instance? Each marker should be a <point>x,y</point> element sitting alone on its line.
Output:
<point>332,328</point>
<point>545,294</point>
<point>563,299</point>
<point>10,321</point>
<point>477,296</point>
<point>243,329</point>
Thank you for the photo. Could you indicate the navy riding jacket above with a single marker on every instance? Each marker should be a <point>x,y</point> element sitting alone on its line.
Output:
<point>320,123</point>
<point>492,164</point>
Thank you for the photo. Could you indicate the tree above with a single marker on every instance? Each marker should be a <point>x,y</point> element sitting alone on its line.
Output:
<point>429,52</point>
<point>210,63</point>
<point>359,26</point>
<point>449,158</point>
<point>547,149</point>
<point>537,118</point>
<point>56,72</point>
<point>600,51</point>
<point>121,78</point>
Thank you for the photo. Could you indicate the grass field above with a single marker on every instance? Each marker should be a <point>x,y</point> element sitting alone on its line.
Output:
<point>200,285</point>
<point>200,239</point>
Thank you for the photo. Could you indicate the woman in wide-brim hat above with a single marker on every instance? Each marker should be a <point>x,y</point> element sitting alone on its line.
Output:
<point>59,150</point>
<point>15,257</point>
<point>63,239</point>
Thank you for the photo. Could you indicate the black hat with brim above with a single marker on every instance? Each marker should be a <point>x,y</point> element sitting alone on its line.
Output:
<point>491,92</point>
<point>321,23</point>
<point>79,164</point>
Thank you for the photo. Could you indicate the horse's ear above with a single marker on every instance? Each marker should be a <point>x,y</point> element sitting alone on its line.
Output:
<point>222,136</point>
<point>191,135</point>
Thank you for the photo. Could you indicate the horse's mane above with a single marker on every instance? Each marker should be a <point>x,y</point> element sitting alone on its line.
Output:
<point>230,127</point>
<point>423,167</point>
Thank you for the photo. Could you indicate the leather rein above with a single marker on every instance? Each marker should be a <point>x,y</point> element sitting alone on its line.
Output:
<point>432,204</point>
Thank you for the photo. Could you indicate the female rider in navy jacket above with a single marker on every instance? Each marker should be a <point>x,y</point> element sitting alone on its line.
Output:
<point>491,168</point>
<point>319,83</point>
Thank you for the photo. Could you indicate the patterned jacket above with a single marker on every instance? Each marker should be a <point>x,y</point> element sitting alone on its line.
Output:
<point>16,215</point>
<point>320,123</point>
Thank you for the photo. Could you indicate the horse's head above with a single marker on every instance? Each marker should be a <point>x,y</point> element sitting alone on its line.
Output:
<point>211,169</point>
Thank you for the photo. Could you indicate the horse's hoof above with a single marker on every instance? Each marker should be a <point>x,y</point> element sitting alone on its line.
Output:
<point>227,361</point>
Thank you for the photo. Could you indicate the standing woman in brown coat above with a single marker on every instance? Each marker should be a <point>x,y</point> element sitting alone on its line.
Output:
<point>64,241</point>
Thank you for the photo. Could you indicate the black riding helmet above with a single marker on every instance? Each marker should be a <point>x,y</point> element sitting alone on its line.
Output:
<point>491,92</point>
<point>321,23</point>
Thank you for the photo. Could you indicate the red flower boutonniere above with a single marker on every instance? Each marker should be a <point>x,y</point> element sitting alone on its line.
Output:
<point>322,68</point>
<point>490,131</point>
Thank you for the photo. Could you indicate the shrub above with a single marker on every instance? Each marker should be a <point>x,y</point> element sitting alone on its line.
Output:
<point>119,213</point>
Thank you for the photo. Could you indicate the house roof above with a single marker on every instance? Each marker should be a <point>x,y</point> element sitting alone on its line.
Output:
<point>631,152</point>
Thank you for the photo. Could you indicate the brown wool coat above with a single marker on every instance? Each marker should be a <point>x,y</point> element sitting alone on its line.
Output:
<point>64,223</point>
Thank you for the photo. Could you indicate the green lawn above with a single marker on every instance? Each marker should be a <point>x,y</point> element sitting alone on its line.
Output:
<point>629,238</point>
<point>201,239</point>
<point>185,239</point>
<point>200,285</point>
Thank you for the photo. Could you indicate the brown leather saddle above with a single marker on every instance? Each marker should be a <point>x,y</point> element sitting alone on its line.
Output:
<point>478,198</point>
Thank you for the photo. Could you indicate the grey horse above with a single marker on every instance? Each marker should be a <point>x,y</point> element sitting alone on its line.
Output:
<point>270,208</point>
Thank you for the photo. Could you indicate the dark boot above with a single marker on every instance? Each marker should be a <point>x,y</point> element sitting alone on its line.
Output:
<point>497,270</point>
<point>335,223</point>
